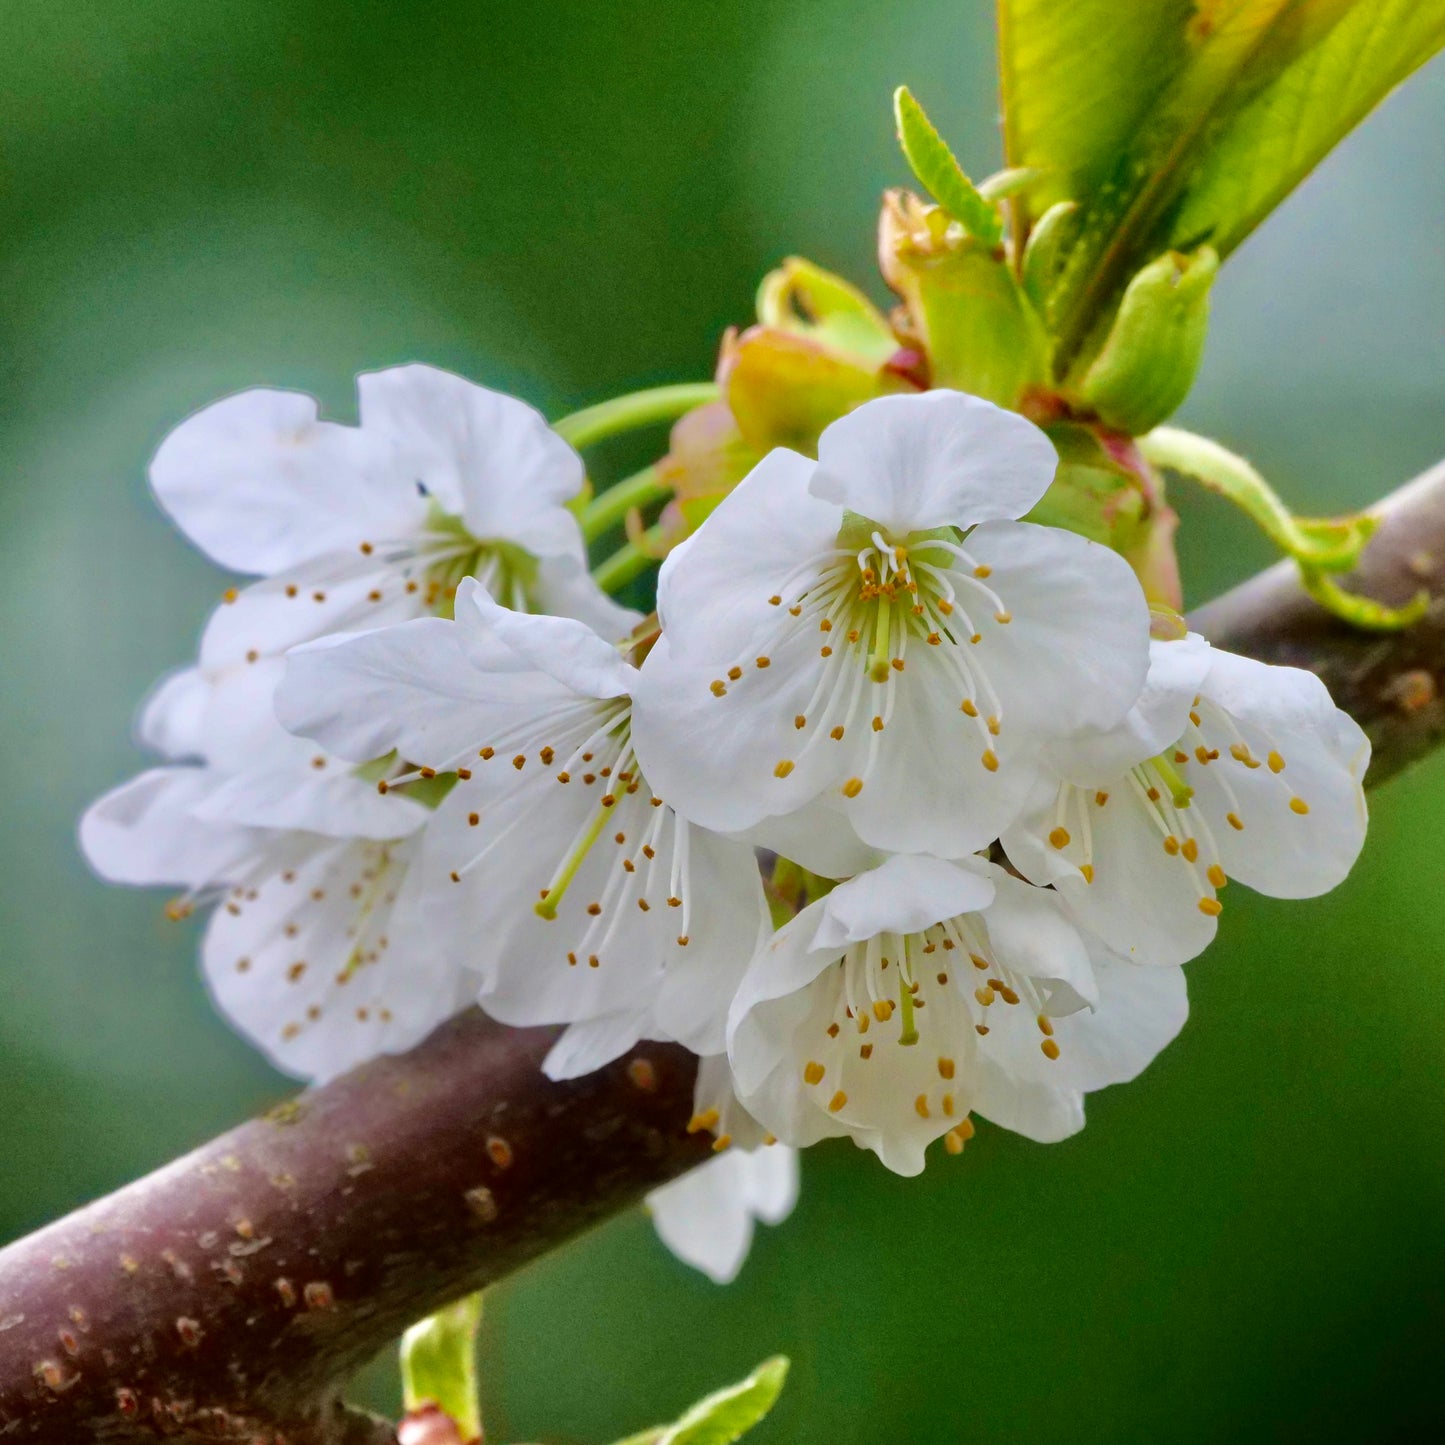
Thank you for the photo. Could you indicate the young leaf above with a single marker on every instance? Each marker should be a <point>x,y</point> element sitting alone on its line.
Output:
<point>725,1416</point>
<point>939,172</point>
<point>1175,124</point>
<point>439,1364</point>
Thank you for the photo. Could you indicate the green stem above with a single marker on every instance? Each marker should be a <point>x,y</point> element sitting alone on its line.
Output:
<point>439,1364</point>
<point>1331,544</point>
<point>1362,612</point>
<point>629,561</point>
<point>629,413</point>
<point>607,509</point>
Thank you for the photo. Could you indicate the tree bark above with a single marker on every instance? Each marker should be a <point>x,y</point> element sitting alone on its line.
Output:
<point>230,1295</point>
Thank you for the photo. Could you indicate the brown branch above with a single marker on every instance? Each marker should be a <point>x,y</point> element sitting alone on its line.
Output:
<point>231,1295</point>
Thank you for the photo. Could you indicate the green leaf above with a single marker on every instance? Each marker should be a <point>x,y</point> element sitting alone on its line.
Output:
<point>1179,122</point>
<point>725,1416</point>
<point>939,172</point>
<point>439,1364</point>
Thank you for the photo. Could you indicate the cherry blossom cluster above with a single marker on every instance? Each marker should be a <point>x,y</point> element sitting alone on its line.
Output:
<point>425,762</point>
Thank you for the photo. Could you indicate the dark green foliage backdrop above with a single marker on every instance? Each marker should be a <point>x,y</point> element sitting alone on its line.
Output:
<point>572,200</point>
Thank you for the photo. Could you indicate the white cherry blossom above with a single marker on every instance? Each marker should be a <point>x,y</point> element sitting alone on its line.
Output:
<point>553,870</point>
<point>871,641</point>
<point>924,991</point>
<point>706,1217</point>
<point>315,950</point>
<point>354,527</point>
<point>1227,768</point>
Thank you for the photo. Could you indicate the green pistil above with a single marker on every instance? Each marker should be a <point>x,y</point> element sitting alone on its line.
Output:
<point>878,660</point>
<point>1179,791</point>
<point>908,1029</point>
<point>557,889</point>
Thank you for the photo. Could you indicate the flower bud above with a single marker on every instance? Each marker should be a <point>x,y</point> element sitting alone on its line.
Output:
<point>963,304</point>
<point>1147,363</point>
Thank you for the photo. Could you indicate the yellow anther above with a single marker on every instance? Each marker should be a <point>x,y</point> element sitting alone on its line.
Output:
<point>783,768</point>
<point>837,1102</point>
<point>990,760</point>
<point>967,708</point>
<point>1087,869</point>
<point>953,1141</point>
<point>982,571</point>
<point>1190,850</point>
<point>718,687</point>
<point>984,996</point>
<point>763,661</point>
<point>897,664</point>
<point>721,1142</point>
<point>800,722</point>
<point>1276,763</point>
<point>921,1105</point>
<point>852,787</point>
<point>1100,799</point>
<point>1171,845</point>
<point>883,1009</point>
<point>813,1072</point>
<point>1060,838</point>
<point>1194,718</point>
<point>865,1051</point>
<point>945,1068</point>
<point>708,1119</point>
<point>1049,1048</point>
<point>977,961</point>
<point>825,652</point>
<point>775,601</point>
<point>1003,617</point>
<point>877,724</point>
<point>1046,1025</point>
<point>994,727</point>
<point>837,733</point>
<point>1211,906</point>
<point>1298,805</point>
<point>1235,822</point>
<point>863,1020</point>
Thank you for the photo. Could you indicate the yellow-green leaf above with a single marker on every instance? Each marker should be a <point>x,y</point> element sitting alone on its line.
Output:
<point>1179,122</point>
<point>726,1416</point>
<point>937,168</point>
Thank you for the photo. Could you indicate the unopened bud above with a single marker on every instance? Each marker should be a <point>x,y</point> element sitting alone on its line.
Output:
<point>964,305</point>
<point>1147,364</point>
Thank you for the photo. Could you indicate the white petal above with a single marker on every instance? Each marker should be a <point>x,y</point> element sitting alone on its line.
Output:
<point>1141,1010</point>
<point>260,484</point>
<point>1281,851</point>
<point>145,832</point>
<point>818,836</point>
<point>172,718</point>
<point>565,588</point>
<point>337,592</point>
<point>1031,936</point>
<point>903,895</point>
<point>329,963</point>
<point>713,590</point>
<point>327,799</point>
<point>706,1217</point>
<point>1040,1112</point>
<point>587,1046</point>
<point>941,458</point>
<point>486,455</point>
<point>1076,652</point>
<point>1098,759</point>
<point>431,689</point>
<point>564,649</point>
<point>1144,901</point>
<point>727,922</point>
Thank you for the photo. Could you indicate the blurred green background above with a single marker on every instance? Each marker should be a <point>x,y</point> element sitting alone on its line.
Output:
<point>572,200</point>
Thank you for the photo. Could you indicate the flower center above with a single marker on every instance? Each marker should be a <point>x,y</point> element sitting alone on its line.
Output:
<point>644,844</point>
<point>944,989</point>
<point>872,604</point>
